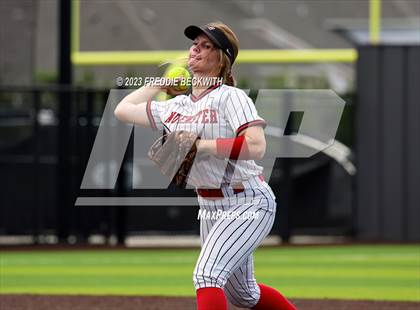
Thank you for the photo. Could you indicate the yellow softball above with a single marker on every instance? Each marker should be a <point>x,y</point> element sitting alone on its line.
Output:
<point>179,73</point>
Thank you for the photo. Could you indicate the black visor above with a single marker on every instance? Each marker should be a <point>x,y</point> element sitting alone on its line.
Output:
<point>216,36</point>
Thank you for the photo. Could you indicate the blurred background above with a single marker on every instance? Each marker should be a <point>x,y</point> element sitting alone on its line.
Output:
<point>59,59</point>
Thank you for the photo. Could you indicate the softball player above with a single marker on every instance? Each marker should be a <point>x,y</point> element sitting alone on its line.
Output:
<point>228,182</point>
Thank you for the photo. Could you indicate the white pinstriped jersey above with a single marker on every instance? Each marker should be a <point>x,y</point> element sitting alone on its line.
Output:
<point>219,112</point>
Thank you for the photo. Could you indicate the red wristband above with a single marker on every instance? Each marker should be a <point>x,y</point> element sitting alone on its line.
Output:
<point>233,148</point>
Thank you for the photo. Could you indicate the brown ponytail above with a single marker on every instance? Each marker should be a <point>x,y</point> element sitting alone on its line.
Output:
<point>229,80</point>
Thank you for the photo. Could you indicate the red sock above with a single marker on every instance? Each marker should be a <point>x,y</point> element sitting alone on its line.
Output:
<point>211,298</point>
<point>271,299</point>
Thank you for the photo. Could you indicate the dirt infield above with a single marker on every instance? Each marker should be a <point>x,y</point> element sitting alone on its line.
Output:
<point>47,302</point>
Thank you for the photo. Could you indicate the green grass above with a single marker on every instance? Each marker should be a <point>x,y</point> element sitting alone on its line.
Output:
<point>344,272</point>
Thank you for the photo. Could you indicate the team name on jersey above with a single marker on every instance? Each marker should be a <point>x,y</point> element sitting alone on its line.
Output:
<point>204,116</point>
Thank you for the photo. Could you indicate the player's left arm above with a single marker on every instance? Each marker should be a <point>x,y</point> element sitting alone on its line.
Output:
<point>249,144</point>
<point>255,140</point>
<point>249,141</point>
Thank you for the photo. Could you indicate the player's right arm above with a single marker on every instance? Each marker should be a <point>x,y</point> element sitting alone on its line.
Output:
<point>132,109</point>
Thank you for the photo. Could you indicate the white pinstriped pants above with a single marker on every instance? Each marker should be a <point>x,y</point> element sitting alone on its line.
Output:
<point>226,259</point>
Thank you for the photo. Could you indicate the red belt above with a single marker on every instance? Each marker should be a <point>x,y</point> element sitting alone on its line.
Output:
<point>218,193</point>
<point>215,192</point>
